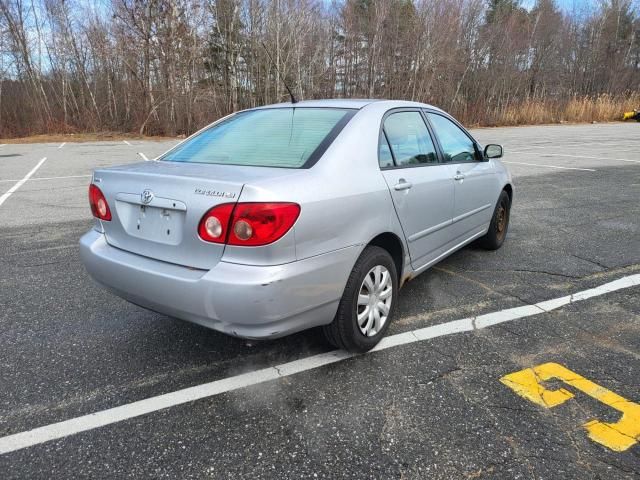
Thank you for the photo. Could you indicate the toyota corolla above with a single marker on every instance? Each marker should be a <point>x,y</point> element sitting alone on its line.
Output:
<point>281,218</point>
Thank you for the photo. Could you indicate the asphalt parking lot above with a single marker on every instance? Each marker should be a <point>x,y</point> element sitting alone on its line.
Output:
<point>436,403</point>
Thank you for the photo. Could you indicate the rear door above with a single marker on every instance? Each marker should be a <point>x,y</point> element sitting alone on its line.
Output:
<point>476,184</point>
<point>421,187</point>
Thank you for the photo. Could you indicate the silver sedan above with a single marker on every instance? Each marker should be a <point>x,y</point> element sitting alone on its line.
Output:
<point>291,216</point>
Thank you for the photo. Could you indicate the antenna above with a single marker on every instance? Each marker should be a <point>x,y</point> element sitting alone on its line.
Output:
<point>293,99</point>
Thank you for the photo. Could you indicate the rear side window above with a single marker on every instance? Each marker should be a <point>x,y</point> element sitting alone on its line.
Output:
<point>384,152</point>
<point>409,139</point>
<point>456,145</point>
<point>277,137</point>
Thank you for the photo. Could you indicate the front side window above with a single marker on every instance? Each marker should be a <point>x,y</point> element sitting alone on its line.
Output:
<point>276,137</point>
<point>456,145</point>
<point>409,139</point>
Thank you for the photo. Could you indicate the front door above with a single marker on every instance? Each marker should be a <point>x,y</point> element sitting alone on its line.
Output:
<point>421,187</point>
<point>475,181</point>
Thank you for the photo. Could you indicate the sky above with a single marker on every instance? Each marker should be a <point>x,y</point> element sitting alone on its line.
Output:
<point>571,5</point>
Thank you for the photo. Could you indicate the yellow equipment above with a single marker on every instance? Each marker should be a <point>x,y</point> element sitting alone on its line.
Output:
<point>635,115</point>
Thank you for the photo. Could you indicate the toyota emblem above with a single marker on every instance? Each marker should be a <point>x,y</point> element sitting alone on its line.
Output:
<point>146,196</point>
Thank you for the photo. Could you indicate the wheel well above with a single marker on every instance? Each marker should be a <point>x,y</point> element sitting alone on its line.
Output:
<point>392,244</point>
<point>509,189</point>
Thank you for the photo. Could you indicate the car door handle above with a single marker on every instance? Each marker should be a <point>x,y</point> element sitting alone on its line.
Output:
<point>403,185</point>
<point>459,176</point>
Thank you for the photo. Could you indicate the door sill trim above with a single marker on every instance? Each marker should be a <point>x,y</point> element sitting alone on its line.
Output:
<point>449,252</point>
<point>471,212</point>
<point>440,226</point>
<point>424,233</point>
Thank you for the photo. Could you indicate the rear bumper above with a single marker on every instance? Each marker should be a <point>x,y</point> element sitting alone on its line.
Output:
<point>241,300</point>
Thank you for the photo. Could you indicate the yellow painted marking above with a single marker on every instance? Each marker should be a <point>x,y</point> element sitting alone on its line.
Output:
<point>618,436</point>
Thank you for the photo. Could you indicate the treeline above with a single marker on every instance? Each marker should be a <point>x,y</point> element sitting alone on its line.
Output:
<point>171,66</point>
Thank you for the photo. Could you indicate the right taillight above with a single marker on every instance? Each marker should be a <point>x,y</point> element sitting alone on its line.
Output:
<point>99,205</point>
<point>250,224</point>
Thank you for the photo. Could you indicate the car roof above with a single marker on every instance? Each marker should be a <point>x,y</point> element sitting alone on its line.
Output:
<point>356,103</point>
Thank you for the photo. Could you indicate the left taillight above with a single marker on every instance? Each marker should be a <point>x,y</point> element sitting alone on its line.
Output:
<point>99,205</point>
<point>214,224</point>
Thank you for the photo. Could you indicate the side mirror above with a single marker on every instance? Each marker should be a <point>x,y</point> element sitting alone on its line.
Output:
<point>493,151</point>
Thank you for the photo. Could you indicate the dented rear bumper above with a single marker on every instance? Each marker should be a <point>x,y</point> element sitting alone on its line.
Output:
<point>242,300</point>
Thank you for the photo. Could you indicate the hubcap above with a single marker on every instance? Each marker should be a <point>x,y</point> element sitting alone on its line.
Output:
<point>374,300</point>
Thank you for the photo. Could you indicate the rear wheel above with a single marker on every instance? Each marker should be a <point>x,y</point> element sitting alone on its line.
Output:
<point>367,304</point>
<point>494,238</point>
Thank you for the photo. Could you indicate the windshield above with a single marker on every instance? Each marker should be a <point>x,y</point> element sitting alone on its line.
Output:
<point>276,137</point>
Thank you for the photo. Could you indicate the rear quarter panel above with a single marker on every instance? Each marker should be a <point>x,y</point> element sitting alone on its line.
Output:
<point>344,199</point>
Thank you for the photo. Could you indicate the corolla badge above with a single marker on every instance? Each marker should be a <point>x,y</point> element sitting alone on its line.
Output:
<point>146,196</point>
<point>214,193</point>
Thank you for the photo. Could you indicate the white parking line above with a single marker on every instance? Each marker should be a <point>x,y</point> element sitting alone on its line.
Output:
<point>555,146</point>
<point>585,156</point>
<point>144,157</point>
<point>21,182</point>
<point>550,166</point>
<point>574,156</point>
<point>49,178</point>
<point>110,416</point>
<point>58,178</point>
<point>124,141</point>
<point>62,144</point>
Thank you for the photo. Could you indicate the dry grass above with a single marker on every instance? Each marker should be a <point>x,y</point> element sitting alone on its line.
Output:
<point>79,138</point>
<point>530,112</point>
<point>603,108</point>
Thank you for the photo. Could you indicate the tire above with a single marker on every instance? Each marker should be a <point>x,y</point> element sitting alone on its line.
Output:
<point>346,331</point>
<point>494,238</point>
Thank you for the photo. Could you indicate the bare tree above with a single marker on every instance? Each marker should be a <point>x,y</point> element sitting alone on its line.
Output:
<point>171,66</point>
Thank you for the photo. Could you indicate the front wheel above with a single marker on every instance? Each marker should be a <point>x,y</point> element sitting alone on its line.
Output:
<point>367,304</point>
<point>494,238</point>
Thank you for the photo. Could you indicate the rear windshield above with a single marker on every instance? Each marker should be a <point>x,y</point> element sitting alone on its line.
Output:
<point>277,137</point>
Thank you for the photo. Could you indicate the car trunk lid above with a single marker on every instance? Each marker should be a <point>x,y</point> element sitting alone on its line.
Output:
<point>156,208</point>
